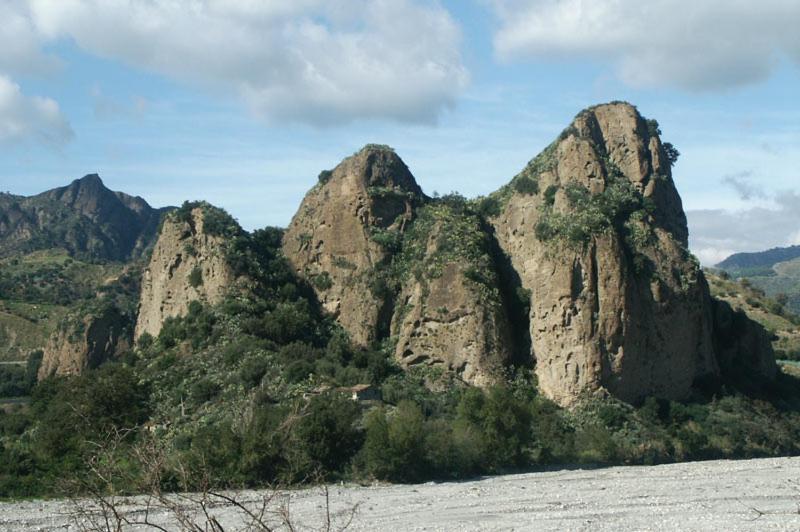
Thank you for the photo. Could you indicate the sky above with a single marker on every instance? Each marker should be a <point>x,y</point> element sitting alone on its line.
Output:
<point>243,103</point>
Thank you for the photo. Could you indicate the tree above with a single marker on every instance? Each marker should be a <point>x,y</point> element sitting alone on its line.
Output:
<point>671,153</point>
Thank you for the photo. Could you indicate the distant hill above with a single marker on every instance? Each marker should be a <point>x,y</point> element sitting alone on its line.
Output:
<point>758,262</point>
<point>86,219</point>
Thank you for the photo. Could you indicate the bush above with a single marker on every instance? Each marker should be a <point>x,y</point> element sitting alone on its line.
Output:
<point>671,153</point>
<point>591,214</point>
<point>322,281</point>
<point>325,437</point>
<point>196,277</point>
<point>526,185</point>
<point>653,129</point>
<point>504,424</point>
<point>72,410</point>
<point>488,206</point>
<point>394,447</point>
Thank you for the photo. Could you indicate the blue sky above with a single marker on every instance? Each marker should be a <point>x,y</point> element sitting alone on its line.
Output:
<point>243,103</point>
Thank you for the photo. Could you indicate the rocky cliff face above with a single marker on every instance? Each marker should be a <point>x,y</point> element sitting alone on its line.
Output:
<point>339,236</point>
<point>188,264</point>
<point>449,312</point>
<point>595,229</point>
<point>86,341</point>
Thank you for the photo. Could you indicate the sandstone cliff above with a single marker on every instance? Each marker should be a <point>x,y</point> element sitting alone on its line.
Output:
<point>188,264</point>
<point>597,234</point>
<point>86,341</point>
<point>342,231</point>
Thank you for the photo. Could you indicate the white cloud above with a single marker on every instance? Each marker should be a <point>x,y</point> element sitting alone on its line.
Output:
<point>697,45</point>
<point>20,41</point>
<point>716,233</point>
<point>298,60</point>
<point>24,118</point>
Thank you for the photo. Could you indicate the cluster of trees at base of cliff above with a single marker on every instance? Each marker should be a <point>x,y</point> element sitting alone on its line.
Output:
<point>76,424</point>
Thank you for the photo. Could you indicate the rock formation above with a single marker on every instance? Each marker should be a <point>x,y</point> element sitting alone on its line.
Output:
<point>598,236</point>
<point>86,341</point>
<point>450,312</point>
<point>334,240</point>
<point>593,229</point>
<point>741,345</point>
<point>188,264</point>
<point>346,240</point>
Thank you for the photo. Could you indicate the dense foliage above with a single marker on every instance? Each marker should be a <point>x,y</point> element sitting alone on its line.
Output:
<point>414,435</point>
<point>618,206</point>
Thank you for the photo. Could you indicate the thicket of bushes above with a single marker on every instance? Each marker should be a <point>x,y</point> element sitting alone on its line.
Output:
<point>415,435</point>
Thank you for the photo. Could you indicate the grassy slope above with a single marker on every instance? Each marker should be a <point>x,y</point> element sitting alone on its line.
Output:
<point>780,278</point>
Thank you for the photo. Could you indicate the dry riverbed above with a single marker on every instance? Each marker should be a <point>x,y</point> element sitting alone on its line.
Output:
<point>754,495</point>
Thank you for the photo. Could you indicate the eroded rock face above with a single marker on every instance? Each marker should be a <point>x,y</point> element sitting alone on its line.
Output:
<point>188,264</point>
<point>86,343</point>
<point>450,314</point>
<point>617,302</point>
<point>333,240</point>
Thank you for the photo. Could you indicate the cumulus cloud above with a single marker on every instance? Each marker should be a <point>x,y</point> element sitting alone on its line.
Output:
<point>318,61</point>
<point>715,234</point>
<point>24,118</point>
<point>694,45</point>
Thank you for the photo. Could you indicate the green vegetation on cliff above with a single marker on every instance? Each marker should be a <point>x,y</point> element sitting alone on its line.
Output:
<point>38,290</point>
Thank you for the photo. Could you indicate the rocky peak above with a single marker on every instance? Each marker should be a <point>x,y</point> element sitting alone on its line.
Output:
<point>384,260</point>
<point>87,195</point>
<point>379,166</point>
<point>188,263</point>
<point>624,138</point>
<point>345,229</point>
<point>85,218</point>
<point>595,230</point>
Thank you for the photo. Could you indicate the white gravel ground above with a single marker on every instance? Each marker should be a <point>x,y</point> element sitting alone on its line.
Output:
<point>719,495</point>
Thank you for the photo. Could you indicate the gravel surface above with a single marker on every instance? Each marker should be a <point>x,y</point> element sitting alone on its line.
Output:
<point>761,494</point>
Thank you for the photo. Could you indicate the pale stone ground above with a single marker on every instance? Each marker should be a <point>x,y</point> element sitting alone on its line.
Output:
<point>754,495</point>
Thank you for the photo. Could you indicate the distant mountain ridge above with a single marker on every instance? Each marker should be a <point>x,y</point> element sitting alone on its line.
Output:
<point>85,218</point>
<point>759,259</point>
